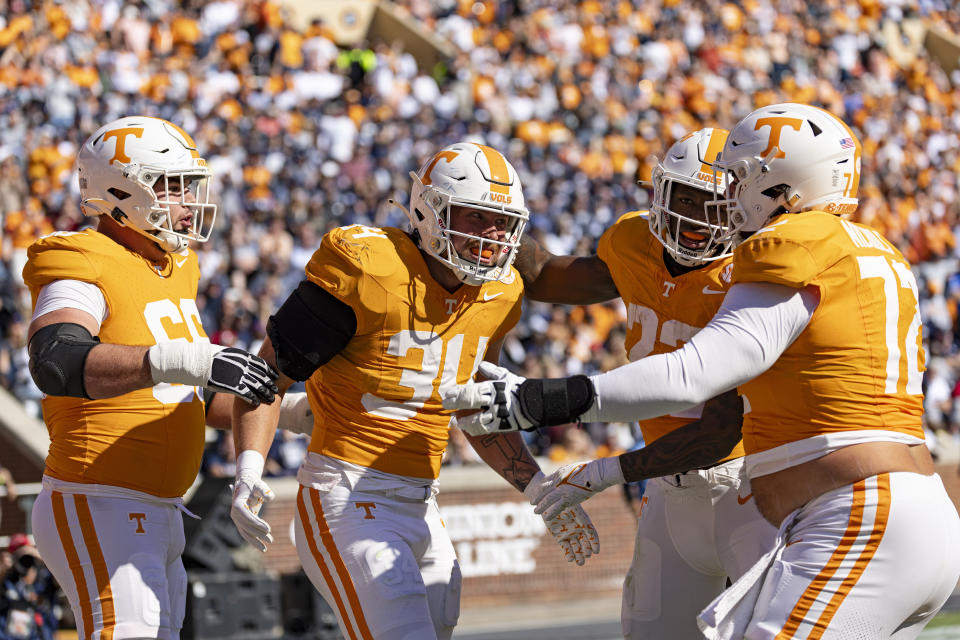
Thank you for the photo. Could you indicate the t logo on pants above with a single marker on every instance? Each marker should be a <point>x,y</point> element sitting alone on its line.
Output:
<point>366,506</point>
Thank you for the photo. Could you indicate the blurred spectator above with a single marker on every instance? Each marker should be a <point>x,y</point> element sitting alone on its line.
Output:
<point>286,453</point>
<point>6,481</point>
<point>574,445</point>
<point>220,460</point>
<point>459,451</point>
<point>304,135</point>
<point>29,593</point>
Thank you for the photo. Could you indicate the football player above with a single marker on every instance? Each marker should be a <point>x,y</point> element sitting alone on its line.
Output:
<point>128,373</point>
<point>672,269</point>
<point>820,332</point>
<point>385,322</point>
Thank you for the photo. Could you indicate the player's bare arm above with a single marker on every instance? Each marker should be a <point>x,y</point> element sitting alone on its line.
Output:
<point>563,279</point>
<point>693,446</point>
<point>255,426</point>
<point>507,454</point>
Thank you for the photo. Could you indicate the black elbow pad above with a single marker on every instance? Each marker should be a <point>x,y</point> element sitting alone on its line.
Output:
<point>58,355</point>
<point>309,329</point>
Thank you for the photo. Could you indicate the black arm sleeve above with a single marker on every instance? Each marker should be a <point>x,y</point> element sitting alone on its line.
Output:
<point>309,329</point>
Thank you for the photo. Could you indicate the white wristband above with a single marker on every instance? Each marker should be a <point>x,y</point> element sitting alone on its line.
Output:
<point>611,472</point>
<point>182,362</point>
<point>534,487</point>
<point>250,464</point>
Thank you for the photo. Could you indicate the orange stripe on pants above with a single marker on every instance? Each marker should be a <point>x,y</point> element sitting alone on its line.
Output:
<point>328,543</point>
<point>99,566</point>
<point>73,560</point>
<point>809,596</point>
<point>321,563</point>
<point>879,526</point>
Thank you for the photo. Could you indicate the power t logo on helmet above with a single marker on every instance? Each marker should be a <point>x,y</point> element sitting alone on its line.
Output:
<point>477,177</point>
<point>788,158</point>
<point>136,169</point>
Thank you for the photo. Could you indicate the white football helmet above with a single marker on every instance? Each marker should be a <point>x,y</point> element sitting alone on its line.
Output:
<point>690,162</point>
<point>787,158</point>
<point>467,175</point>
<point>121,164</point>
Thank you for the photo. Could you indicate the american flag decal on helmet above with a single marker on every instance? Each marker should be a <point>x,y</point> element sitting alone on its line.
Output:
<point>846,143</point>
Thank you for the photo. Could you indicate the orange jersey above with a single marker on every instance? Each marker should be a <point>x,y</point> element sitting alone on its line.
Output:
<point>149,440</point>
<point>663,311</point>
<point>858,365</point>
<point>378,402</point>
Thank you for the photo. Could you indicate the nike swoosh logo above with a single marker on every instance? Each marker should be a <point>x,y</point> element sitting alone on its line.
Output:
<point>180,263</point>
<point>744,500</point>
<point>487,297</point>
<point>707,290</point>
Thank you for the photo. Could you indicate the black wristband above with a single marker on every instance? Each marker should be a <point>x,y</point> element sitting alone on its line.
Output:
<point>552,401</point>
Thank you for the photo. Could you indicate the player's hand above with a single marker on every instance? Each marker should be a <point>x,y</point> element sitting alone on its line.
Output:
<point>572,529</point>
<point>296,416</point>
<point>571,484</point>
<point>224,369</point>
<point>242,374</point>
<point>575,534</point>
<point>249,494</point>
<point>496,398</point>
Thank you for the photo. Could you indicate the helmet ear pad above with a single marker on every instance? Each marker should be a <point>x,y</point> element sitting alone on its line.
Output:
<point>145,172</point>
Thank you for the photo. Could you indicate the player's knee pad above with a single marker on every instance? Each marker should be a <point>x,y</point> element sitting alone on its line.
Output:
<point>142,600</point>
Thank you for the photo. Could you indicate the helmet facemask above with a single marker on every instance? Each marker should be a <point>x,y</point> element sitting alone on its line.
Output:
<point>175,186</point>
<point>440,242</point>
<point>691,237</point>
<point>739,195</point>
<point>669,225</point>
<point>475,177</point>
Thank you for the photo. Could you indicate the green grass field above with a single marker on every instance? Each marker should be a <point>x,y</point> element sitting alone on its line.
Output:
<point>951,618</point>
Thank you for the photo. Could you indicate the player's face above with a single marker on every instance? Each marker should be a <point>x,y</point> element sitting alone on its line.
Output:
<point>689,202</point>
<point>181,216</point>
<point>483,224</point>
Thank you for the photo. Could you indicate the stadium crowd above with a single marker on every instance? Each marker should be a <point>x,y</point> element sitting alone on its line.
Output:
<point>304,136</point>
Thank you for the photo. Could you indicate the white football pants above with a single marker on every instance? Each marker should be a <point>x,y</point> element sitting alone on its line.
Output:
<point>694,530</point>
<point>383,561</point>
<point>872,560</point>
<point>117,559</point>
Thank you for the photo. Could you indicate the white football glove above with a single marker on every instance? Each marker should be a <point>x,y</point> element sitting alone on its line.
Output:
<point>572,529</point>
<point>571,484</point>
<point>575,534</point>
<point>295,413</point>
<point>249,494</point>
<point>495,397</point>
<point>222,369</point>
